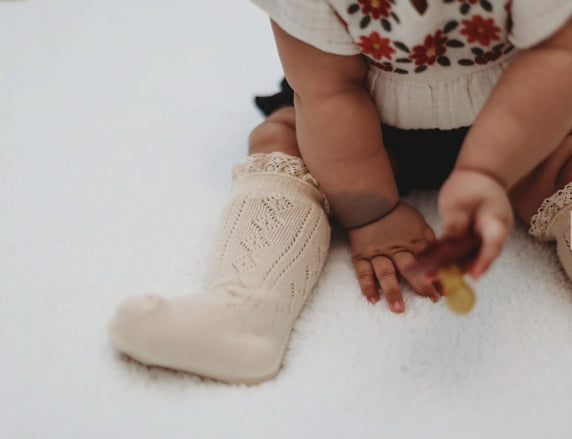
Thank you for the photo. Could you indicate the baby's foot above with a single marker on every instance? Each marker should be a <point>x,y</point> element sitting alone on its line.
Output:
<point>271,248</point>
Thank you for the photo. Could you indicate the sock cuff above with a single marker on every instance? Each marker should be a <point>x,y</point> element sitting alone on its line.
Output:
<point>548,215</point>
<point>281,164</point>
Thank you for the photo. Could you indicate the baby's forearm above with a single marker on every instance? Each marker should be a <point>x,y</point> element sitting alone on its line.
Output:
<point>527,115</point>
<point>340,141</point>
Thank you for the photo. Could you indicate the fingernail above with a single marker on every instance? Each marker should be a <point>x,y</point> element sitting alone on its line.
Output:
<point>373,300</point>
<point>398,306</point>
<point>431,274</point>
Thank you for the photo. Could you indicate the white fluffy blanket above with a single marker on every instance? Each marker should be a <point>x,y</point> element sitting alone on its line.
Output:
<point>119,122</point>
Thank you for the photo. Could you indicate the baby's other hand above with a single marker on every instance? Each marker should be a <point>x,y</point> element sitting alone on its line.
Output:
<point>471,199</point>
<point>387,246</point>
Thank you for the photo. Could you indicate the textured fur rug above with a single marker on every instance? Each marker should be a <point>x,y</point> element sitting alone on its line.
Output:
<point>120,121</point>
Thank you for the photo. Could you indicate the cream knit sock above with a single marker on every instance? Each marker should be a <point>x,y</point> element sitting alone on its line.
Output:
<point>552,222</point>
<point>270,250</point>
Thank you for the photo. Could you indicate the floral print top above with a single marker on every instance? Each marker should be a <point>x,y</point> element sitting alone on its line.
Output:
<point>468,32</point>
<point>432,63</point>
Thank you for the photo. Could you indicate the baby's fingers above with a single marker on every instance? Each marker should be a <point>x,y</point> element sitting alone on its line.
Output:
<point>387,278</point>
<point>429,235</point>
<point>493,233</point>
<point>418,281</point>
<point>366,278</point>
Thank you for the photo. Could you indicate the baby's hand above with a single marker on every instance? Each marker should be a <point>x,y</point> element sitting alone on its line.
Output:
<point>471,199</point>
<point>387,246</point>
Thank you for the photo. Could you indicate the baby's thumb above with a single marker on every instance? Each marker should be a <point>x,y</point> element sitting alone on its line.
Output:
<point>493,233</point>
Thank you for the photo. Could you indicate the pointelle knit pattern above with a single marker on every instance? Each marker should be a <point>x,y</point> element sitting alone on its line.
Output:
<point>270,250</point>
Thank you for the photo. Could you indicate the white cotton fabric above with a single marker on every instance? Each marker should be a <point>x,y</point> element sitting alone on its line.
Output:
<point>447,104</point>
<point>319,27</point>
<point>451,89</point>
<point>534,21</point>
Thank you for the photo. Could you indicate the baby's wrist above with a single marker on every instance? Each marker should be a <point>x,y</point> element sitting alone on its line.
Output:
<point>461,168</point>
<point>354,210</point>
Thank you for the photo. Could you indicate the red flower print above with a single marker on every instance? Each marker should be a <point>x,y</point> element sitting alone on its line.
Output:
<point>375,8</point>
<point>376,46</point>
<point>481,30</point>
<point>432,48</point>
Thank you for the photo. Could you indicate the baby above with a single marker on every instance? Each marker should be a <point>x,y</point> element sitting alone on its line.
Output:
<point>471,96</point>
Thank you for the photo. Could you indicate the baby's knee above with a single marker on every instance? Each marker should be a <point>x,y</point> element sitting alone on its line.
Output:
<point>276,133</point>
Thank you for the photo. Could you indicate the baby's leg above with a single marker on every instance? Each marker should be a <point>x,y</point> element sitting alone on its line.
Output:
<point>543,199</point>
<point>276,134</point>
<point>271,246</point>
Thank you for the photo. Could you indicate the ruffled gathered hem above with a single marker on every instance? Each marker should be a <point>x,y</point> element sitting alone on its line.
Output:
<point>407,102</point>
<point>550,212</point>
<point>277,163</point>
